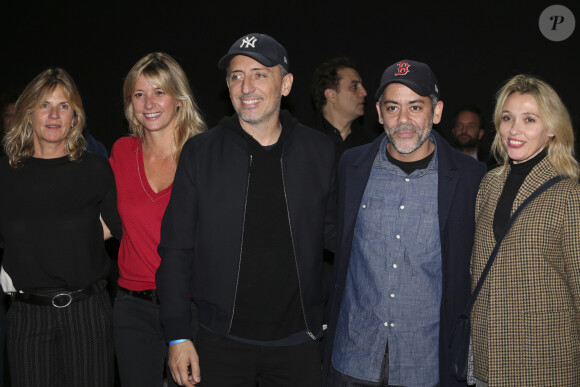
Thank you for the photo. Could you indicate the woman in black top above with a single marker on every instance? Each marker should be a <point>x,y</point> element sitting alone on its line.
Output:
<point>53,201</point>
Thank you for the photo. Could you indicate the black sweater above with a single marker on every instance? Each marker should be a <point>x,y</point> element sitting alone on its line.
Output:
<point>268,300</point>
<point>49,221</point>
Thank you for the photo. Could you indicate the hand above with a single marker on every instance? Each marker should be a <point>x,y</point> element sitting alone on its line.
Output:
<point>106,232</point>
<point>181,357</point>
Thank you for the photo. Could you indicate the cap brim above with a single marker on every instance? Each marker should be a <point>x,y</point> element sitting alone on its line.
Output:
<point>225,60</point>
<point>411,85</point>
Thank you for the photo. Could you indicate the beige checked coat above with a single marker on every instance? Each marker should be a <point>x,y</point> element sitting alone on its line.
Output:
<point>526,320</point>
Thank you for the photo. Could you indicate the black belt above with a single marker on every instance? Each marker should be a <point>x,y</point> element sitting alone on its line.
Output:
<point>147,295</point>
<point>60,298</point>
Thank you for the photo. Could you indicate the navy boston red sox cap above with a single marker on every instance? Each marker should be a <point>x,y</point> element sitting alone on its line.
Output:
<point>261,47</point>
<point>415,75</point>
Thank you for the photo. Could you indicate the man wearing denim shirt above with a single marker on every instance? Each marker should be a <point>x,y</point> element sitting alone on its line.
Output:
<point>405,232</point>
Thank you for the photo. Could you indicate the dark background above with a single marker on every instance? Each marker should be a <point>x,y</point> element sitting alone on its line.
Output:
<point>472,46</point>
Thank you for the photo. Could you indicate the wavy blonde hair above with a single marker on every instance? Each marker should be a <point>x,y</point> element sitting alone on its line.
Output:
<point>19,142</point>
<point>554,115</point>
<point>164,72</point>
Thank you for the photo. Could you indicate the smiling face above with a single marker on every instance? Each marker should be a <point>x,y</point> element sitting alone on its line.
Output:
<point>523,132</point>
<point>407,118</point>
<point>256,90</point>
<point>154,108</point>
<point>51,123</point>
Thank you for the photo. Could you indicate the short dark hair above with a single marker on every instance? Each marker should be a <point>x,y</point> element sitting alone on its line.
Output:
<point>326,77</point>
<point>470,108</point>
<point>7,98</point>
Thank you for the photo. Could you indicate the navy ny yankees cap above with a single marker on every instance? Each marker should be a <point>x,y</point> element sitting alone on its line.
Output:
<point>415,75</point>
<point>261,47</point>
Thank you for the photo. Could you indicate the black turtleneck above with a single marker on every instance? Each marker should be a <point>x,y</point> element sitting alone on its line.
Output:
<point>515,179</point>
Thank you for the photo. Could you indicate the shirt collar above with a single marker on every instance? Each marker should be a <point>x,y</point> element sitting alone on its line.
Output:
<point>381,161</point>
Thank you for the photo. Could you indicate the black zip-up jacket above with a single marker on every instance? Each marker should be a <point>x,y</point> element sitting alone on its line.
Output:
<point>202,229</point>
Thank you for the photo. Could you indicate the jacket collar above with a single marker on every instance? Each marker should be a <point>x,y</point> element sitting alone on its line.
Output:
<point>541,173</point>
<point>448,175</point>
<point>288,122</point>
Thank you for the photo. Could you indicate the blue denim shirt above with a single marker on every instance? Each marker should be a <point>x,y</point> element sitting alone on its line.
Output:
<point>393,285</point>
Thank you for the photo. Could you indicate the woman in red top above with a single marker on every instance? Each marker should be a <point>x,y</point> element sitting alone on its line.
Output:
<point>162,115</point>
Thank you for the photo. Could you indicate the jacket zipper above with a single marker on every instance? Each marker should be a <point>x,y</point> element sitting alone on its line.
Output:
<point>241,244</point>
<point>308,331</point>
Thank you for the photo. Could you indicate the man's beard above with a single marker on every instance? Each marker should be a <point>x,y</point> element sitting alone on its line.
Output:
<point>471,143</point>
<point>423,135</point>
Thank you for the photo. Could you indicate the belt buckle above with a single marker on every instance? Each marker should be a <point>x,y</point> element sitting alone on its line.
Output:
<point>54,299</point>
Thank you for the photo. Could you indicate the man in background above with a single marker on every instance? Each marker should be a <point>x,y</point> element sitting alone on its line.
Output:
<point>339,97</point>
<point>468,131</point>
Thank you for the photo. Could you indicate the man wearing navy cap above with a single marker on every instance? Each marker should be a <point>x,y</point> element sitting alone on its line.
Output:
<point>405,229</point>
<point>251,209</point>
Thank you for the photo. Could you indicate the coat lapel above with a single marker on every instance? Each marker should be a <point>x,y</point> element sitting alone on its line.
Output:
<point>357,176</point>
<point>545,171</point>
<point>448,177</point>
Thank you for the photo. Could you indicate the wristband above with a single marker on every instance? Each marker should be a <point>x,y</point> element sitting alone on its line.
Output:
<point>176,341</point>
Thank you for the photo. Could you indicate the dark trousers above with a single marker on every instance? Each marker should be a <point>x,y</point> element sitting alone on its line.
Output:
<point>3,307</point>
<point>139,342</point>
<point>225,362</point>
<point>336,379</point>
<point>61,347</point>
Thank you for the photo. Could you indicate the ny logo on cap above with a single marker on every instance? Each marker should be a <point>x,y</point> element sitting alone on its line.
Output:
<point>402,68</point>
<point>247,42</point>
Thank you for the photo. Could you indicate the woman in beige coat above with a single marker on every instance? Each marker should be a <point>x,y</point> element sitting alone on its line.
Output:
<point>526,320</point>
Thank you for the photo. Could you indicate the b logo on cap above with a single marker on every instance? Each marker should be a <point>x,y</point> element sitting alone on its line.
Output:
<point>402,68</point>
<point>247,42</point>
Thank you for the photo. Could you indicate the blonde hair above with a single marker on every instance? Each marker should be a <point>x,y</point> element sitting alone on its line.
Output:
<point>554,115</point>
<point>19,142</point>
<point>164,72</point>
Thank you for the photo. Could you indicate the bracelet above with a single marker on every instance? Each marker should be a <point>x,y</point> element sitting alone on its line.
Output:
<point>177,341</point>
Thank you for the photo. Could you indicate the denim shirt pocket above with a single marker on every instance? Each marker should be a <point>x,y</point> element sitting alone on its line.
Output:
<point>369,222</point>
<point>429,224</point>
